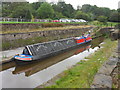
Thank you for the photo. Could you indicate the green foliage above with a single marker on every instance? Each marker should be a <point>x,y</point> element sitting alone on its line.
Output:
<point>102,19</point>
<point>118,10</point>
<point>45,11</point>
<point>96,11</point>
<point>0,11</point>
<point>36,5</point>
<point>58,15</point>
<point>102,24</point>
<point>16,10</point>
<point>22,12</point>
<point>117,26</point>
<point>115,17</point>
<point>21,42</point>
<point>66,10</point>
<point>81,23</point>
<point>86,8</point>
<point>81,75</point>
<point>6,45</point>
<point>81,15</point>
<point>8,8</point>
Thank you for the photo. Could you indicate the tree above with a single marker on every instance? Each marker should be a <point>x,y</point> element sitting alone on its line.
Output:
<point>96,11</point>
<point>58,15</point>
<point>118,10</point>
<point>34,6</point>
<point>16,10</point>
<point>9,7</point>
<point>45,11</point>
<point>115,17</point>
<point>82,15</point>
<point>79,7</point>
<point>102,19</point>
<point>22,12</point>
<point>86,8</point>
<point>67,10</point>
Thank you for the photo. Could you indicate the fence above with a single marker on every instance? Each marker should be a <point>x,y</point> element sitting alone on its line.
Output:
<point>2,19</point>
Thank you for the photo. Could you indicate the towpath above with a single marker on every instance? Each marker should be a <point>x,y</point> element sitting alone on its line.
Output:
<point>8,54</point>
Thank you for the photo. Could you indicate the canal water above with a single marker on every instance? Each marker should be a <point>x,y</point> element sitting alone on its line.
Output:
<point>37,73</point>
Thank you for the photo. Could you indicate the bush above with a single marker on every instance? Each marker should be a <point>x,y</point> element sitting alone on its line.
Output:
<point>117,26</point>
<point>102,19</point>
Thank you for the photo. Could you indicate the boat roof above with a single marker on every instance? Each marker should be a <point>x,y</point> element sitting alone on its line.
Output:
<point>46,47</point>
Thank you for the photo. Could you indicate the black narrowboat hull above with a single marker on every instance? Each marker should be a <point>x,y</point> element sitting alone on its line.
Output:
<point>21,62</point>
<point>41,51</point>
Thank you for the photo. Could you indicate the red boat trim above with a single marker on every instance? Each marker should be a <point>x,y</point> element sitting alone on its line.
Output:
<point>80,40</point>
<point>24,59</point>
<point>88,38</point>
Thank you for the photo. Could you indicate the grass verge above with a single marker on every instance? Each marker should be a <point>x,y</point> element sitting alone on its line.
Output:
<point>46,22</point>
<point>6,45</point>
<point>21,42</point>
<point>81,75</point>
<point>43,29</point>
<point>101,24</point>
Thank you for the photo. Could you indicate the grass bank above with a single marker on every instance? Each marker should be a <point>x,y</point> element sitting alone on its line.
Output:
<point>23,42</point>
<point>101,24</point>
<point>45,22</point>
<point>81,75</point>
<point>12,44</point>
<point>42,29</point>
<point>20,42</point>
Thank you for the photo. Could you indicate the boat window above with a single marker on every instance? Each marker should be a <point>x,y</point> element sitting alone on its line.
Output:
<point>25,51</point>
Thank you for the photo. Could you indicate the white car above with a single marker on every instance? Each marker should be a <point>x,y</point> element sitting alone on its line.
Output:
<point>81,20</point>
<point>64,20</point>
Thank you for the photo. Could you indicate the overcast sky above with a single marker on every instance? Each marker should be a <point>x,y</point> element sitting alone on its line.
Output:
<point>112,4</point>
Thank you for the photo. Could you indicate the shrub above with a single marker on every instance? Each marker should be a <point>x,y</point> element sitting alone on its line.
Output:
<point>102,19</point>
<point>117,26</point>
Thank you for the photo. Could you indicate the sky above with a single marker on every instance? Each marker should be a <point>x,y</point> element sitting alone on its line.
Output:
<point>112,4</point>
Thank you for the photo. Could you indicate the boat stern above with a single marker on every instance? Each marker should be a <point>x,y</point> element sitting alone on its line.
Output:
<point>23,57</point>
<point>88,38</point>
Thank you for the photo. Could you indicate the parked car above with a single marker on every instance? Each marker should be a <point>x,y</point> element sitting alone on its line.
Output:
<point>72,20</point>
<point>81,20</point>
<point>63,20</point>
<point>55,21</point>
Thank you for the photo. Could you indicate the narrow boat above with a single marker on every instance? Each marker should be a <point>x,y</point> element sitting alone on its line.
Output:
<point>83,39</point>
<point>33,68</point>
<point>43,50</point>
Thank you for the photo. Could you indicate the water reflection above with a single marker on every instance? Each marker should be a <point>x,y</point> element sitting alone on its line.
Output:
<point>96,42</point>
<point>52,60</point>
<point>34,74</point>
<point>7,66</point>
<point>33,68</point>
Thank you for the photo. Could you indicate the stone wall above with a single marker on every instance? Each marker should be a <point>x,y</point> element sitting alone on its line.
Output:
<point>59,33</point>
<point>103,77</point>
<point>115,34</point>
<point>23,26</point>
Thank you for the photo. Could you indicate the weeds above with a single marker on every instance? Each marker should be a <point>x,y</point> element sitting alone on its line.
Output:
<point>81,75</point>
<point>4,56</point>
<point>6,30</point>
